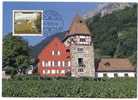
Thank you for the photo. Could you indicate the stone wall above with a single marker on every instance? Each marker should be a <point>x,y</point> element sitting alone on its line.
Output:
<point>88,57</point>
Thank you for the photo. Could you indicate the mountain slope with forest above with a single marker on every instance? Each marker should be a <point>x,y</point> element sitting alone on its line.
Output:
<point>115,35</point>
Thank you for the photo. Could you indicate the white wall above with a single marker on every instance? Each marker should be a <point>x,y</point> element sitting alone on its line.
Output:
<point>131,74</point>
<point>29,72</point>
<point>111,74</point>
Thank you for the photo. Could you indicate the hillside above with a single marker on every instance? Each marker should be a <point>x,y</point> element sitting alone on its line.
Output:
<point>115,35</point>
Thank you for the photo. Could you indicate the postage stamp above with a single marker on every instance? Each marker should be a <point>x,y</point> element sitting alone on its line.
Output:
<point>27,22</point>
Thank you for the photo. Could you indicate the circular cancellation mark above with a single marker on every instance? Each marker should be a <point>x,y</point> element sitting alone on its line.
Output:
<point>53,22</point>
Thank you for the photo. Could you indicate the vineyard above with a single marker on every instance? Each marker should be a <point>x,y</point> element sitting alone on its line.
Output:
<point>71,87</point>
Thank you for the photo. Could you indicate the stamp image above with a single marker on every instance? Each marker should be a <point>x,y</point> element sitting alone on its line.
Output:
<point>27,22</point>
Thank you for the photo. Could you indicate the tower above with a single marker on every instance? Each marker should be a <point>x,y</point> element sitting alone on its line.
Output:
<point>78,38</point>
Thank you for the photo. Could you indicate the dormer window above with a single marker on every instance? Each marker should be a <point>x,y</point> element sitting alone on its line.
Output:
<point>107,64</point>
<point>80,21</point>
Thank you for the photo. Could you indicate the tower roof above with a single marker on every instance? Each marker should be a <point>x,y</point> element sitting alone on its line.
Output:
<point>78,26</point>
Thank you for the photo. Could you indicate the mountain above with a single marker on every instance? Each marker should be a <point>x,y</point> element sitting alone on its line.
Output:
<point>115,35</point>
<point>35,50</point>
<point>107,8</point>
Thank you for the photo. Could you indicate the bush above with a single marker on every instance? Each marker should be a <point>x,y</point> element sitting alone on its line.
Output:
<point>26,77</point>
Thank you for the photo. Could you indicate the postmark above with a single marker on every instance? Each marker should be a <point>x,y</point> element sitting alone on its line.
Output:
<point>27,22</point>
<point>53,22</point>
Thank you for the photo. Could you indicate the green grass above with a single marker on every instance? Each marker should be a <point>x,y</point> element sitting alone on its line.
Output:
<point>107,88</point>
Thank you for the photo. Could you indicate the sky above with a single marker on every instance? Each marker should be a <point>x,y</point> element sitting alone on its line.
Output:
<point>65,9</point>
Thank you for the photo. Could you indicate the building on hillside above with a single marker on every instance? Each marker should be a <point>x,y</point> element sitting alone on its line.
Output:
<point>115,67</point>
<point>75,56</point>
<point>78,38</point>
<point>54,59</point>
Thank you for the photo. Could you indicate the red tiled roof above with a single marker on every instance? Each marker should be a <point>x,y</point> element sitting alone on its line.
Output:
<point>115,64</point>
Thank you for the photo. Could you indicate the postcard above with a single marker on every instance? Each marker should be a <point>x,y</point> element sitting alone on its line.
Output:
<point>69,49</point>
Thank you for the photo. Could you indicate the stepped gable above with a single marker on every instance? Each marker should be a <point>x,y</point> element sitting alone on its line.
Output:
<point>78,26</point>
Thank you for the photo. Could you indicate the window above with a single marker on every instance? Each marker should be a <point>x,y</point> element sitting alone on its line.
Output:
<point>53,71</point>
<point>62,71</point>
<point>115,75</point>
<point>58,52</point>
<point>68,63</point>
<point>59,63</point>
<point>80,70</point>
<point>44,71</point>
<point>126,75</point>
<point>82,40</point>
<point>52,52</point>
<point>46,64</point>
<point>52,63</point>
<point>48,71</point>
<point>104,75</point>
<point>79,49</point>
<point>43,63</point>
<point>55,52</point>
<point>80,21</point>
<point>68,51</point>
<point>63,63</point>
<point>80,61</point>
<point>49,63</point>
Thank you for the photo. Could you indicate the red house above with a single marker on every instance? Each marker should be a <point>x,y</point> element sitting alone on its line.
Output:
<point>54,59</point>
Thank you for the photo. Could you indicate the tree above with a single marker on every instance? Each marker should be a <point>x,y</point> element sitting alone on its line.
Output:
<point>15,54</point>
<point>128,42</point>
<point>115,35</point>
<point>22,63</point>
